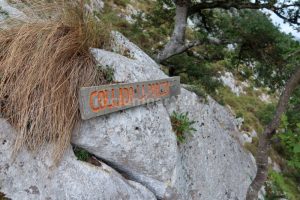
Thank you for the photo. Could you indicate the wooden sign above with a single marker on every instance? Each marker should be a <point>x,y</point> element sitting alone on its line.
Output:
<point>105,99</point>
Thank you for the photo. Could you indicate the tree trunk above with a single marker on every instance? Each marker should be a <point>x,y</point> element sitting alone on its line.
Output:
<point>177,42</point>
<point>264,139</point>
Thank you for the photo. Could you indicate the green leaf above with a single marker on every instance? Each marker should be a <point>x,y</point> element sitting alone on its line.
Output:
<point>297,148</point>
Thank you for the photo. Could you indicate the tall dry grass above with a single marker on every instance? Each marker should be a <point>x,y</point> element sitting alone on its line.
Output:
<point>43,63</point>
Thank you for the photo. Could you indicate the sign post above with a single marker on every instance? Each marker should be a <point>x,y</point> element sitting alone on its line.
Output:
<point>100,100</point>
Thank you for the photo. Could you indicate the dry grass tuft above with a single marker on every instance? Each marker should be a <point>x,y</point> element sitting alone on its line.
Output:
<point>43,63</point>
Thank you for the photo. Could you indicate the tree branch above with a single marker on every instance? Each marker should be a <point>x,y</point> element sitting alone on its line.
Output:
<point>184,8</point>
<point>176,44</point>
<point>227,5</point>
<point>270,130</point>
<point>278,10</point>
<point>178,48</point>
<point>293,20</point>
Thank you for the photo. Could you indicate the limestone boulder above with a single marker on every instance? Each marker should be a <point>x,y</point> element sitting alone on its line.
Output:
<point>140,141</point>
<point>31,177</point>
<point>211,162</point>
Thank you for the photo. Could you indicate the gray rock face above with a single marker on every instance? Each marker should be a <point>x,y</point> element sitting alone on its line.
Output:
<point>30,177</point>
<point>126,69</point>
<point>212,164</point>
<point>141,143</point>
<point>10,11</point>
<point>94,6</point>
<point>138,141</point>
<point>123,46</point>
<point>229,80</point>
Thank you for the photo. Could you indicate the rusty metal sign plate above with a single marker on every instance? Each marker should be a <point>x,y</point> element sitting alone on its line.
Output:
<point>100,100</point>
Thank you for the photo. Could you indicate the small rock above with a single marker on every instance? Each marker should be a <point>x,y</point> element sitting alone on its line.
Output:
<point>235,87</point>
<point>265,98</point>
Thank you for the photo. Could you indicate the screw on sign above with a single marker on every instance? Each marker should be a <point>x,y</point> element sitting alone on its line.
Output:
<point>100,100</point>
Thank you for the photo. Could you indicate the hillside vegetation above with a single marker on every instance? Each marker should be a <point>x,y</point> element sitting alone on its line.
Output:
<point>261,44</point>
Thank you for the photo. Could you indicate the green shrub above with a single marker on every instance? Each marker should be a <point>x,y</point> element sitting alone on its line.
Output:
<point>81,154</point>
<point>248,106</point>
<point>194,72</point>
<point>281,186</point>
<point>252,147</point>
<point>266,114</point>
<point>182,125</point>
<point>289,143</point>
<point>122,3</point>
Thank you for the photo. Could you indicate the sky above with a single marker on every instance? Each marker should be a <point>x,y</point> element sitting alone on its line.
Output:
<point>285,27</point>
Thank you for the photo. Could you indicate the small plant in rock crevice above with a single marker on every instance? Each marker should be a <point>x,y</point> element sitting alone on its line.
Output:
<point>81,154</point>
<point>4,13</point>
<point>2,197</point>
<point>109,74</point>
<point>182,126</point>
<point>84,156</point>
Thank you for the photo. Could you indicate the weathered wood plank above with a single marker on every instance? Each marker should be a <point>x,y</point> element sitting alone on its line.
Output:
<point>100,100</point>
